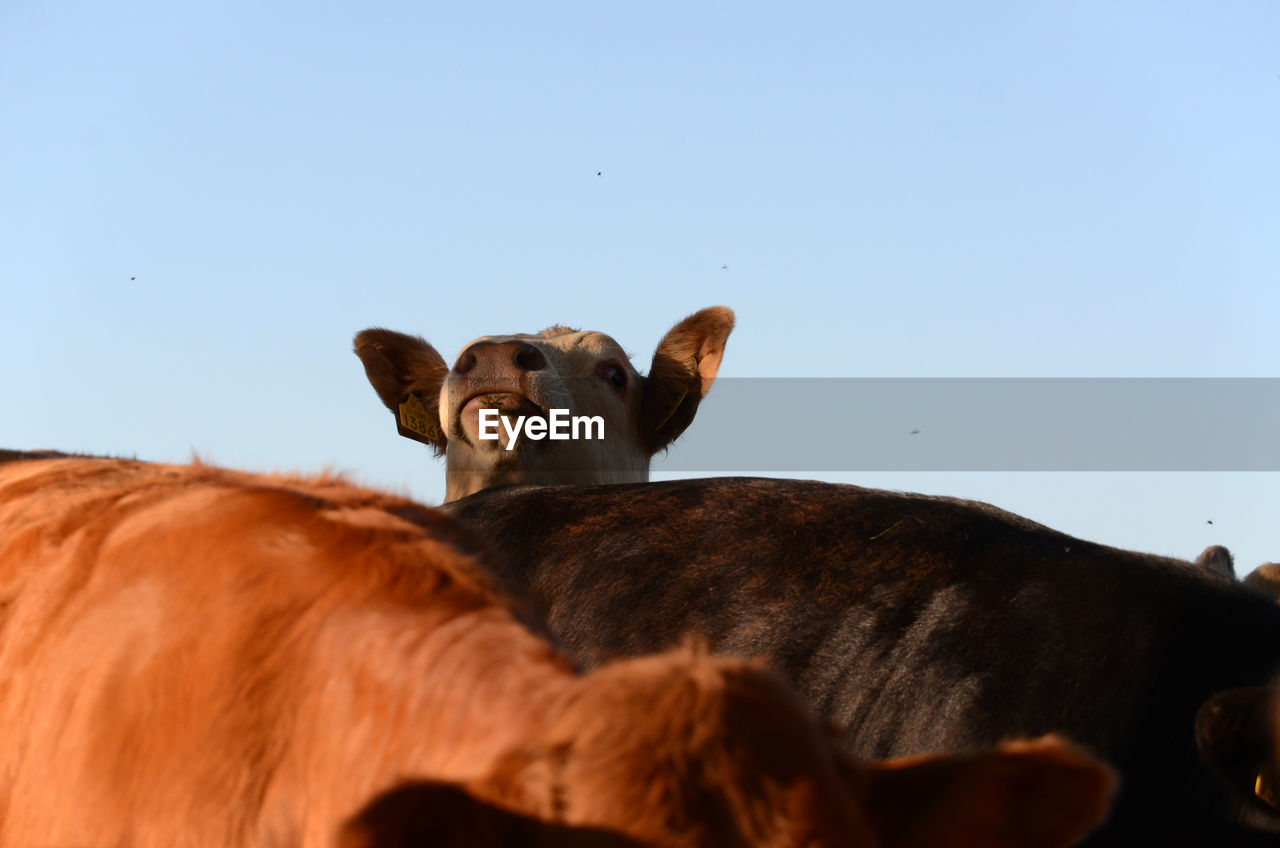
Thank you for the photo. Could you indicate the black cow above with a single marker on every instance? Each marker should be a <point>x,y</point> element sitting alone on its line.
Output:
<point>916,623</point>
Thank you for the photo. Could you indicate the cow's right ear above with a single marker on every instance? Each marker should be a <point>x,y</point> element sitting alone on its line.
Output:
<point>1038,793</point>
<point>407,373</point>
<point>684,367</point>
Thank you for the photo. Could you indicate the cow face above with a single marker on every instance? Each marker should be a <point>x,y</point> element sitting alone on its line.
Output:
<point>616,418</point>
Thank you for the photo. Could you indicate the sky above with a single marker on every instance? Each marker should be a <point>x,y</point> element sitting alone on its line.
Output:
<point>204,202</point>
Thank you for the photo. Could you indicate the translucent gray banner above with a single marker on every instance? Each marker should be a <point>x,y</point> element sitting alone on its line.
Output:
<point>798,425</point>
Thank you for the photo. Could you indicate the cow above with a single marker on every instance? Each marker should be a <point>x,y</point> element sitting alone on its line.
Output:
<point>916,623</point>
<point>522,376</point>
<point>1265,579</point>
<point>198,656</point>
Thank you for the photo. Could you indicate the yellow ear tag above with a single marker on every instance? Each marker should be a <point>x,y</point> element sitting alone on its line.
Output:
<point>416,423</point>
<point>1263,788</point>
<point>672,410</point>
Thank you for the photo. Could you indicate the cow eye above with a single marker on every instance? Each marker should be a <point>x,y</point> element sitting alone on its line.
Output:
<point>614,375</point>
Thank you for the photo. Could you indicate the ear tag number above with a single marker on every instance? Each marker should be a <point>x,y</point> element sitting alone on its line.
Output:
<point>416,423</point>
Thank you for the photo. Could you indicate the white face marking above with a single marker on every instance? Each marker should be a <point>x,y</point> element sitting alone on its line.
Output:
<point>586,373</point>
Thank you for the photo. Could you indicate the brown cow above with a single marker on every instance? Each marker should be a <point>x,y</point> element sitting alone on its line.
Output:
<point>586,373</point>
<point>1033,793</point>
<point>1265,579</point>
<point>195,656</point>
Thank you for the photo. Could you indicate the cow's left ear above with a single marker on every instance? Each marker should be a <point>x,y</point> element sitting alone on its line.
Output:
<point>1236,734</point>
<point>684,367</point>
<point>1034,793</point>
<point>407,373</point>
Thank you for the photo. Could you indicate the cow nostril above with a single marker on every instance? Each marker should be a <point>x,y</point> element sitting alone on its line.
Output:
<point>465,362</point>
<point>529,358</point>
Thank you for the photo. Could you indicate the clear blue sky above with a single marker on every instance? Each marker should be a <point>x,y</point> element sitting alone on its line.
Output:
<point>896,189</point>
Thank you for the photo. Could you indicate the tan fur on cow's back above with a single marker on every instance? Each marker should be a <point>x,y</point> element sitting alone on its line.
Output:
<point>151,614</point>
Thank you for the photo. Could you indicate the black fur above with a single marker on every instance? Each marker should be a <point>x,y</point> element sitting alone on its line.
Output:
<point>913,623</point>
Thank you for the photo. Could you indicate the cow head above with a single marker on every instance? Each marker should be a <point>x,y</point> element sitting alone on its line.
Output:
<point>1238,734</point>
<point>619,417</point>
<point>678,750</point>
<point>744,767</point>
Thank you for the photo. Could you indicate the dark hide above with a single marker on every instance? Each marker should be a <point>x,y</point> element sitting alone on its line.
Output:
<point>914,623</point>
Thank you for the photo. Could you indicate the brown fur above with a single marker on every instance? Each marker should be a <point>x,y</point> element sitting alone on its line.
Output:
<point>1265,579</point>
<point>1217,560</point>
<point>557,330</point>
<point>1041,793</point>
<point>651,730</point>
<point>196,656</point>
<point>182,644</point>
<point>1034,792</point>
<point>560,367</point>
